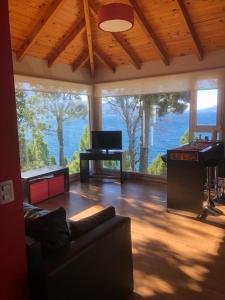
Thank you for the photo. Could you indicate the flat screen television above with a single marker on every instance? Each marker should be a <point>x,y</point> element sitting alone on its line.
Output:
<point>106,140</point>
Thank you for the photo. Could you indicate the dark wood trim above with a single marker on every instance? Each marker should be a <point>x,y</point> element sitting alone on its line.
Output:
<point>191,29</point>
<point>76,29</point>
<point>80,60</point>
<point>39,27</point>
<point>89,36</point>
<point>150,32</point>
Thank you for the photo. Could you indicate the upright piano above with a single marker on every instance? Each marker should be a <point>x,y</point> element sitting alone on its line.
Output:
<point>186,174</point>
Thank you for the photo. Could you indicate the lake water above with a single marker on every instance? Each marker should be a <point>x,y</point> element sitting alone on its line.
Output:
<point>166,131</point>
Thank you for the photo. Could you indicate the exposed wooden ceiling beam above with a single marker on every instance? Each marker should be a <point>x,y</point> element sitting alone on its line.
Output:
<point>104,59</point>
<point>191,29</point>
<point>89,35</point>
<point>39,27</point>
<point>76,29</point>
<point>80,60</point>
<point>149,32</point>
<point>129,52</point>
<point>120,41</point>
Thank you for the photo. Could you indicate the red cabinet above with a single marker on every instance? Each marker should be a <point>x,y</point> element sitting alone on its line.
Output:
<point>45,188</point>
<point>38,191</point>
<point>56,185</point>
<point>43,183</point>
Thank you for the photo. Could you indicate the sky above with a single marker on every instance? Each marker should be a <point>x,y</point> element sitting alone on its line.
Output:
<point>206,98</point>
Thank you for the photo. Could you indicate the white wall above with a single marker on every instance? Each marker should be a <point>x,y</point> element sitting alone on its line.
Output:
<point>38,68</point>
<point>180,64</point>
<point>35,67</point>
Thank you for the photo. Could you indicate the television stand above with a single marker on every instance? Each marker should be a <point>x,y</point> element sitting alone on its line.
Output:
<point>85,157</point>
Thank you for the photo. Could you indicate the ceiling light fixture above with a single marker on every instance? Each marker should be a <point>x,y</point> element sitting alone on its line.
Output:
<point>115,17</point>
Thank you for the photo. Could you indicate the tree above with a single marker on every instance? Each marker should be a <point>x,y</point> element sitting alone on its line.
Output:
<point>84,141</point>
<point>34,151</point>
<point>25,117</point>
<point>74,164</point>
<point>185,138</point>
<point>158,104</point>
<point>62,107</point>
<point>38,151</point>
<point>148,103</point>
<point>157,167</point>
<point>130,110</point>
<point>139,111</point>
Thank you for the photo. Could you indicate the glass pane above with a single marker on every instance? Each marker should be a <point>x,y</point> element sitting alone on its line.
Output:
<point>150,124</point>
<point>207,136</point>
<point>53,128</point>
<point>207,107</point>
<point>111,165</point>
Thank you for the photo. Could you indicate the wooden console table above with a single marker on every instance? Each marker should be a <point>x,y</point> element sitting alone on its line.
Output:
<point>46,175</point>
<point>85,157</point>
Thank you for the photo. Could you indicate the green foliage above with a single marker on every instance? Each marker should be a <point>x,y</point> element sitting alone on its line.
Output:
<point>34,151</point>
<point>25,116</point>
<point>158,104</point>
<point>25,123</point>
<point>84,141</point>
<point>130,109</point>
<point>111,164</point>
<point>53,160</point>
<point>126,161</point>
<point>138,111</point>
<point>175,102</point>
<point>185,138</point>
<point>62,107</point>
<point>74,164</point>
<point>65,161</point>
<point>38,152</point>
<point>157,167</point>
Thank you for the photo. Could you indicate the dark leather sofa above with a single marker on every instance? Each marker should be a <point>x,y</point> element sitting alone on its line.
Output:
<point>97,265</point>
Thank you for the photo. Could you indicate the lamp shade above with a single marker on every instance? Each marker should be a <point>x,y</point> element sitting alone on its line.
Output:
<point>115,17</point>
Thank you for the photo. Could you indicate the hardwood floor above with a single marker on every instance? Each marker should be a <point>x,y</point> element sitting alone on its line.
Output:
<point>175,256</point>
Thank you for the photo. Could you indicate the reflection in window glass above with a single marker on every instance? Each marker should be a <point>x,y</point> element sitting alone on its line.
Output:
<point>207,107</point>
<point>52,128</point>
<point>150,124</point>
<point>203,136</point>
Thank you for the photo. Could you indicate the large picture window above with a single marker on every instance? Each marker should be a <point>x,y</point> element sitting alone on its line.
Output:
<point>151,124</point>
<point>162,113</point>
<point>206,114</point>
<point>53,128</point>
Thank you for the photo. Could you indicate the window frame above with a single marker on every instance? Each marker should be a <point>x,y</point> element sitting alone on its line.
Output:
<point>213,129</point>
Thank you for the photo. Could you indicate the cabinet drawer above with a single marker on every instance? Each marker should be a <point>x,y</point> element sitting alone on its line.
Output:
<point>38,191</point>
<point>56,185</point>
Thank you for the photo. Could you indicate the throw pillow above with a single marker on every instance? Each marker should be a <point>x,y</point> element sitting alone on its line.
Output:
<point>33,212</point>
<point>50,228</point>
<point>78,228</point>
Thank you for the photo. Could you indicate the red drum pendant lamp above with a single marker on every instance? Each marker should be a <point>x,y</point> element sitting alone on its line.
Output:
<point>115,17</point>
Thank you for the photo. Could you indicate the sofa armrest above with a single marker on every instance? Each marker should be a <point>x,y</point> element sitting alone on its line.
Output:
<point>96,266</point>
<point>34,254</point>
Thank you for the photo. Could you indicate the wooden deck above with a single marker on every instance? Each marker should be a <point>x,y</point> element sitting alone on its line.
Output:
<point>175,256</point>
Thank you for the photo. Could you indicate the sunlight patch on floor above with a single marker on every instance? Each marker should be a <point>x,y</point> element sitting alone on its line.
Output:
<point>196,272</point>
<point>186,247</point>
<point>87,212</point>
<point>151,285</point>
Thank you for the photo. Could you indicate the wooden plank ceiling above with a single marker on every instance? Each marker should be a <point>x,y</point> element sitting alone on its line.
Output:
<point>66,31</point>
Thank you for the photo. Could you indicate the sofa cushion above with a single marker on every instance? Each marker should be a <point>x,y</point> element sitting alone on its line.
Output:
<point>33,212</point>
<point>50,228</point>
<point>80,227</point>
